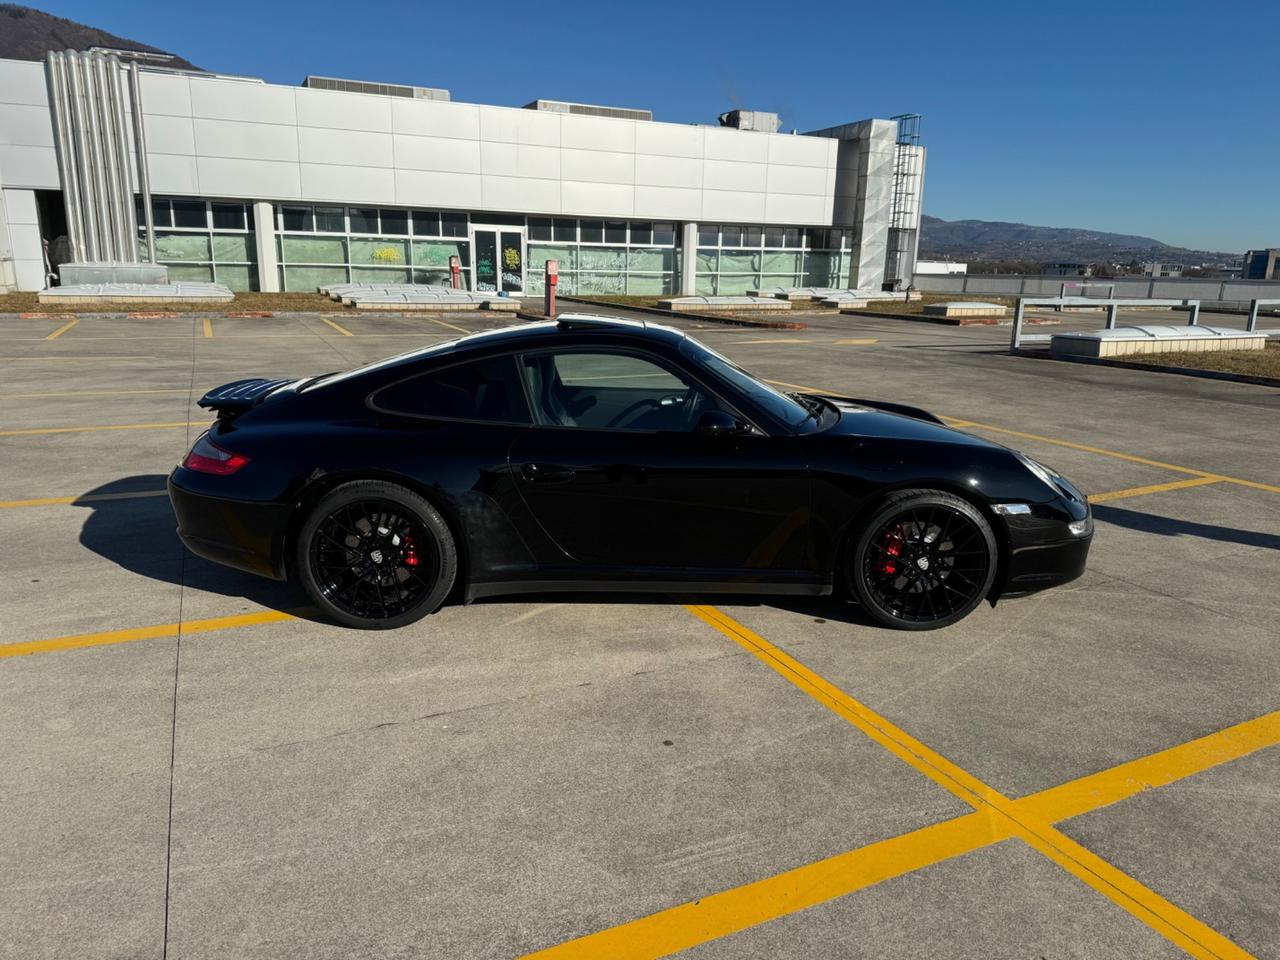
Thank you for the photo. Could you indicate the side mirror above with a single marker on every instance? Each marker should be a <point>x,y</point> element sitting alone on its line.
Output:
<point>717,423</point>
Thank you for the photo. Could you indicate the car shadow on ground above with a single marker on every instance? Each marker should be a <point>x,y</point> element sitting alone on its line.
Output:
<point>1172,527</point>
<point>135,529</point>
<point>131,523</point>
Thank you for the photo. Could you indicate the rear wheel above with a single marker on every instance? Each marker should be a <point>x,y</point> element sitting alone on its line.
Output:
<point>924,559</point>
<point>375,555</point>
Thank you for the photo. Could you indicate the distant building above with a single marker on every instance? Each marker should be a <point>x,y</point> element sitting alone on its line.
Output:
<point>1065,268</point>
<point>1261,264</point>
<point>937,268</point>
<point>1156,268</point>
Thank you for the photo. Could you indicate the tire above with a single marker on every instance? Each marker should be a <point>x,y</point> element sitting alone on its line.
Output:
<point>375,555</point>
<point>923,560</point>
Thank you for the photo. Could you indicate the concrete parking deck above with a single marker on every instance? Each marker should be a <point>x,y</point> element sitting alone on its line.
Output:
<point>195,766</point>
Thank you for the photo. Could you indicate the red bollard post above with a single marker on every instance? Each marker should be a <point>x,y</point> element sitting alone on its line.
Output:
<point>550,278</point>
<point>455,272</point>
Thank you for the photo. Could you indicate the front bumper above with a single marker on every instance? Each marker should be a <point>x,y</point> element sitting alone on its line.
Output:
<point>244,534</point>
<point>1043,552</point>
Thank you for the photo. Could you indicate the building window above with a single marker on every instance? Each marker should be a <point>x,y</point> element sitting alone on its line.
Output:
<point>201,240</point>
<point>319,246</point>
<point>614,257</point>
<point>735,258</point>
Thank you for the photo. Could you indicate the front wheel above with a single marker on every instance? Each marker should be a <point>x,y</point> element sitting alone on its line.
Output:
<point>924,560</point>
<point>375,555</point>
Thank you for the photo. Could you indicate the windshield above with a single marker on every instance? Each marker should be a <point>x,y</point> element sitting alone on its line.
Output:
<point>784,407</point>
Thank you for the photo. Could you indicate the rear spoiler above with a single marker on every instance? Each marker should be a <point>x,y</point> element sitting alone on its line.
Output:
<point>232,399</point>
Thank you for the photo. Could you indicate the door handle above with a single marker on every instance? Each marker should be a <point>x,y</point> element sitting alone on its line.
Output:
<point>546,473</point>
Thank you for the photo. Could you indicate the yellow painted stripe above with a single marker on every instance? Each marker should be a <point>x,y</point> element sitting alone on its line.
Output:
<point>89,393</point>
<point>82,640</point>
<point>62,329</point>
<point>803,389</point>
<point>208,328</point>
<point>775,340</point>
<point>86,498</point>
<point>339,327</point>
<point>1151,488</point>
<point>707,918</point>
<point>856,343</point>
<point>450,326</point>
<point>117,426</point>
<point>1178,926</point>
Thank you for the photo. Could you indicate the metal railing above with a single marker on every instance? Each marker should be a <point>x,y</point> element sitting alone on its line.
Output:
<point>1251,325</point>
<point>1113,306</point>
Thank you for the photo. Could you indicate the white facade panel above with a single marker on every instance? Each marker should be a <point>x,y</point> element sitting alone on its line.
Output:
<point>338,110</point>
<point>162,93</point>
<point>171,173</point>
<point>597,199</point>
<point>436,153</point>
<point>728,144</point>
<point>540,162</point>
<point>669,140</point>
<point>226,177</point>
<point>796,208</point>
<point>734,206</point>
<point>327,181</point>
<point>23,82</point>
<point>666,171</point>
<point>505,125</point>
<point>239,100</point>
<point>500,159</point>
<point>29,274</point>
<point>21,206</point>
<point>433,118</point>
<point>170,134</point>
<point>807,180</point>
<point>801,151</point>
<point>729,175</point>
<point>598,166</point>
<point>32,167</point>
<point>667,202</point>
<point>520,193</point>
<point>26,124</point>
<point>25,238</point>
<point>435,188</point>
<point>349,147</point>
<point>243,141</point>
<point>598,133</point>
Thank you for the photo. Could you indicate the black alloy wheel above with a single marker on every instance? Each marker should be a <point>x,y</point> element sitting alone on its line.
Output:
<point>924,560</point>
<point>376,555</point>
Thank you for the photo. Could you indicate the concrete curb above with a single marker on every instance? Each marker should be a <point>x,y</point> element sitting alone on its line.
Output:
<point>1158,368</point>
<point>727,321</point>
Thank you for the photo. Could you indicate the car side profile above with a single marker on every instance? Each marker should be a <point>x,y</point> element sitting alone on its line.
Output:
<point>598,454</point>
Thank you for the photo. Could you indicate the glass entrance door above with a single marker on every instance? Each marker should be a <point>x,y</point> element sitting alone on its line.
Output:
<point>499,260</point>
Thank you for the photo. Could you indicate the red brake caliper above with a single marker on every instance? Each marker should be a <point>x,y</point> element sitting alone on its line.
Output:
<point>893,547</point>
<point>410,551</point>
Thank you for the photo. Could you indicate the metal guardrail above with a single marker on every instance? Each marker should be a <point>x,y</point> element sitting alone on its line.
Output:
<point>1252,324</point>
<point>1019,338</point>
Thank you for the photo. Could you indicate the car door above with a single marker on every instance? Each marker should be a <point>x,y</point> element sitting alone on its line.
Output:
<point>616,474</point>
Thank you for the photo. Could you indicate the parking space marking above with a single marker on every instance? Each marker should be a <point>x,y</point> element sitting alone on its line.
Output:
<point>1151,488</point>
<point>1176,925</point>
<point>89,393</point>
<point>1101,451</point>
<point>84,498</point>
<point>81,640</point>
<point>866,342</point>
<point>117,426</point>
<point>339,327</point>
<point>451,326</point>
<point>63,329</point>
<point>208,328</point>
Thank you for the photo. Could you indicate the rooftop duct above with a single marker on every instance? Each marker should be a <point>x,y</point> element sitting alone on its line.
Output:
<point>378,89</point>
<point>751,120</point>
<point>589,110</point>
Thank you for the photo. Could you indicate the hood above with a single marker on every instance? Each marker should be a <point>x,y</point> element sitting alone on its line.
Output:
<point>873,418</point>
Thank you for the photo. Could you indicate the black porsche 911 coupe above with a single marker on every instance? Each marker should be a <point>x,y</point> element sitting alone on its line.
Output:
<point>598,454</point>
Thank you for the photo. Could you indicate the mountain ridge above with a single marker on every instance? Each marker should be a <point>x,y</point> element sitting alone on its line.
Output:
<point>28,34</point>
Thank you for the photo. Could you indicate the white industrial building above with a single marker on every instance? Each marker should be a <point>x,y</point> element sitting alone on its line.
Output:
<point>271,187</point>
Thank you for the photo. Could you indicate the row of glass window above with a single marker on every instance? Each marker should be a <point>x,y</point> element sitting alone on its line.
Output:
<point>735,236</point>
<point>635,232</point>
<point>375,221</point>
<point>177,214</point>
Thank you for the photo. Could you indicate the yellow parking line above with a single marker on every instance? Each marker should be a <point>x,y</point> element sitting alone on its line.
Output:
<point>1151,488</point>
<point>117,426</point>
<point>451,326</point>
<point>62,329</point>
<point>82,640</point>
<point>84,498</point>
<point>89,393</point>
<point>1145,904</point>
<point>208,328</point>
<point>339,327</point>
<point>856,343</point>
<point>775,340</point>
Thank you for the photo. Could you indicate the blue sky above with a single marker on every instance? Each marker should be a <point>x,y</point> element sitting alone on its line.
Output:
<point>1159,119</point>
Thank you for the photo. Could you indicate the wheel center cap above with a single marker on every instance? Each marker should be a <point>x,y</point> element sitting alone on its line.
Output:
<point>375,556</point>
<point>922,563</point>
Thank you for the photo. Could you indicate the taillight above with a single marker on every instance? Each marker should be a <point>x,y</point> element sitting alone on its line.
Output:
<point>207,457</point>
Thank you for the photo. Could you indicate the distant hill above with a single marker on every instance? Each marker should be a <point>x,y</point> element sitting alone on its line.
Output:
<point>997,240</point>
<point>28,34</point>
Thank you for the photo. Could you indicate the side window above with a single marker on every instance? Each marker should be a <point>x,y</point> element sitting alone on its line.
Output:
<point>597,390</point>
<point>486,390</point>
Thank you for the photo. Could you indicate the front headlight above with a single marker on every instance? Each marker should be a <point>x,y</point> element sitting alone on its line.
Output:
<point>1052,478</point>
<point>1081,528</point>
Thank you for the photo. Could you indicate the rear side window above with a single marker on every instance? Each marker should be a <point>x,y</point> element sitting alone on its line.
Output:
<point>488,390</point>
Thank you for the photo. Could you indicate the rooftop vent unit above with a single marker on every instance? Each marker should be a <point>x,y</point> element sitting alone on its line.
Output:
<point>145,56</point>
<point>589,110</point>
<point>379,89</point>
<point>751,120</point>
